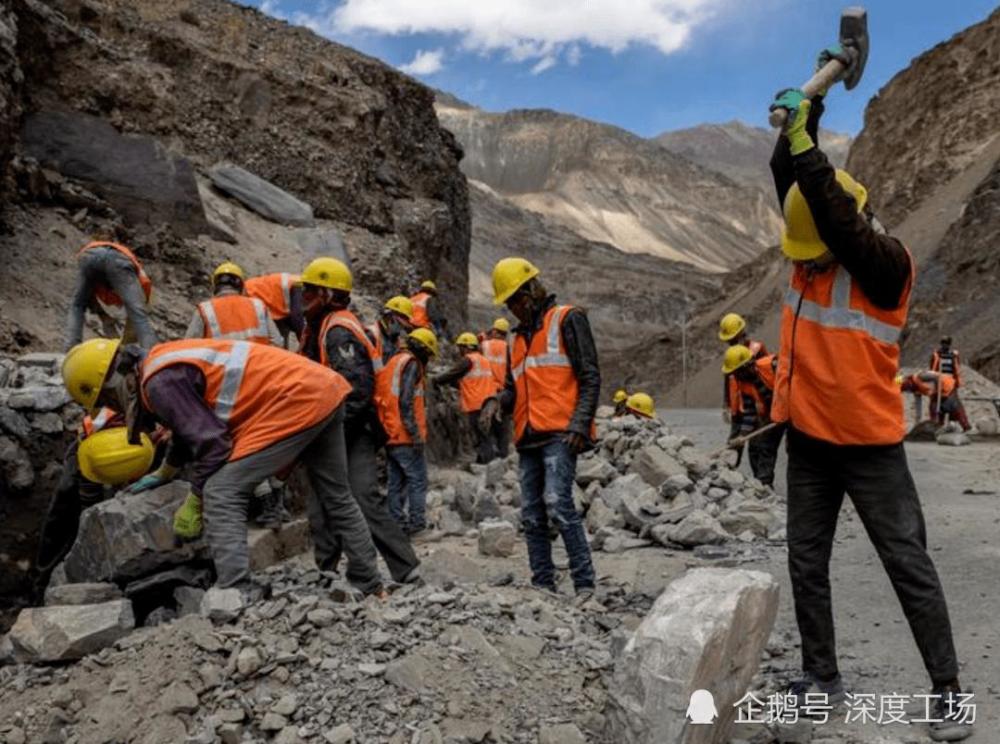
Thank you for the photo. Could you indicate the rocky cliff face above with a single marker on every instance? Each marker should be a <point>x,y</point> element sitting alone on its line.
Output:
<point>610,186</point>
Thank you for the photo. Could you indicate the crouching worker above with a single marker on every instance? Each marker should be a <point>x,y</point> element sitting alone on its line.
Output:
<point>241,412</point>
<point>751,391</point>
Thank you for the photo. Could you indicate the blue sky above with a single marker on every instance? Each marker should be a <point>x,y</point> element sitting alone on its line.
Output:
<point>645,65</point>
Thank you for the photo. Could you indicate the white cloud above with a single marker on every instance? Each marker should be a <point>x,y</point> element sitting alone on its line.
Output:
<point>426,62</point>
<point>530,30</point>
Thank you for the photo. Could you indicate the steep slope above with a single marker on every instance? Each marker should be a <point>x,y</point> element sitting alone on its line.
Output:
<point>610,186</point>
<point>741,151</point>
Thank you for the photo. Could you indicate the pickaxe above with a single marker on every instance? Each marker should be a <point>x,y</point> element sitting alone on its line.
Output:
<point>854,40</point>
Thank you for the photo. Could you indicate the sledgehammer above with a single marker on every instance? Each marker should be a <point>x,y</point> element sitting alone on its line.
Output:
<point>854,40</point>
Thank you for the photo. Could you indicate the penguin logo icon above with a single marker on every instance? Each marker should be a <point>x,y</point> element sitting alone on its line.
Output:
<point>701,708</point>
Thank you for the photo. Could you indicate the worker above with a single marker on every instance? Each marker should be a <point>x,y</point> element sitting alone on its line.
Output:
<point>392,326</point>
<point>109,273</point>
<point>842,318</point>
<point>399,394</point>
<point>553,387</point>
<point>476,383</point>
<point>733,331</point>
<point>945,359</point>
<point>426,313</point>
<point>942,392</point>
<point>640,405</point>
<point>232,316</point>
<point>335,337</point>
<point>620,399</point>
<point>282,294</point>
<point>494,348</point>
<point>242,412</point>
<point>752,393</point>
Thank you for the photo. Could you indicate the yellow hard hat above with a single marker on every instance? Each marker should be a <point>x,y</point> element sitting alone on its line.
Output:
<point>800,239</point>
<point>467,339</point>
<point>401,305</point>
<point>227,268</point>
<point>328,272</point>
<point>426,338</point>
<point>501,324</point>
<point>731,326</point>
<point>107,457</point>
<point>620,396</point>
<point>736,356</point>
<point>428,284</point>
<point>86,366</point>
<point>509,275</point>
<point>642,404</point>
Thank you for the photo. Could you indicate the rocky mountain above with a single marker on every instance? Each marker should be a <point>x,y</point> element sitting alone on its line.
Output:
<point>613,187</point>
<point>740,151</point>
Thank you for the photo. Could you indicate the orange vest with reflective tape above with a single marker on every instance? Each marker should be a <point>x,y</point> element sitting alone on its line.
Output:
<point>420,317</point>
<point>388,386</point>
<point>262,393</point>
<point>839,356</point>
<point>274,290</point>
<point>477,385</point>
<point>347,319</point>
<point>101,420</point>
<point>929,387</point>
<point>235,318</point>
<point>947,363</point>
<point>758,350</point>
<point>105,294</point>
<point>740,390</point>
<point>545,384</point>
<point>495,351</point>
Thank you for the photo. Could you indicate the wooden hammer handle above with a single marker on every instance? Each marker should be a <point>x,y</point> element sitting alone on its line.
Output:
<point>825,77</point>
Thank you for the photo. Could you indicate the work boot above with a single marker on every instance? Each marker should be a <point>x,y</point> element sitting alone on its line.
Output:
<point>272,507</point>
<point>949,714</point>
<point>810,685</point>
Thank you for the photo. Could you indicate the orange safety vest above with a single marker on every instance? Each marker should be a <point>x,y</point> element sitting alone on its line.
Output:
<point>838,361</point>
<point>346,319</point>
<point>478,384</point>
<point>545,385</point>
<point>101,420</point>
<point>262,393</point>
<point>758,350</point>
<point>420,317</point>
<point>105,294</point>
<point>274,290</point>
<point>235,318</point>
<point>928,387</point>
<point>946,364</point>
<point>741,389</point>
<point>388,386</point>
<point>495,351</point>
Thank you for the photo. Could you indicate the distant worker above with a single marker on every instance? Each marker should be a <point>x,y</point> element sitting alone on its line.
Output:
<point>946,360</point>
<point>733,330</point>
<point>426,310</point>
<point>844,311</point>
<point>335,338</point>
<point>282,294</point>
<point>476,383</point>
<point>751,397</point>
<point>389,332</point>
<point>399,393</point>
<point>640,405</point>
<point>494,348</point>
<point>553,388</point>
<point>109,274</point>
<point>243,412</point>
<point>230,315</point>
<point>942,392</point>
<point>620,399</point>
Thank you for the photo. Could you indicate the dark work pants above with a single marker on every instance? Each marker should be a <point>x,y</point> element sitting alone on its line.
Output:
<point>484,442</point>
<point>763,452</point>
<point>878,480</point>
<point>387,534</point>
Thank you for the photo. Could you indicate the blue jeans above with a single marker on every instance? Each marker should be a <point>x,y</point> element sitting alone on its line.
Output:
<point>547,475</point>
<point>408,485</point>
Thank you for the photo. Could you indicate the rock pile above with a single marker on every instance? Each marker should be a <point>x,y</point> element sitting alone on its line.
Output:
<point>643,485</point>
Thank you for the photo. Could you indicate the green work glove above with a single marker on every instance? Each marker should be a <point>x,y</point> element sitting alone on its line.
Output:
<point>832,52</point>
<point>187,519</point>
<point>163,474</point>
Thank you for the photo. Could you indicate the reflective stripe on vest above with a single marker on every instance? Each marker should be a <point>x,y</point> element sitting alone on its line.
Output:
<point>274,290</point>
<point>92,424</point>
<point>944,362</point>
<point>553,356</point>
<point>477,385</point>
<point>347,319</point>
<point>388,388</point>
<point>233,363</point>
<point>258,333</point>
<point>495,351</point>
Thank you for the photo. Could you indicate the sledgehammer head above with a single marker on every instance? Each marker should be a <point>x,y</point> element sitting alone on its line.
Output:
<point>854,39</point>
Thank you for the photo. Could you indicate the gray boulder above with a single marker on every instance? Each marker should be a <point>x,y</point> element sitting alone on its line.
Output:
<point>675,484</point>
<point>655,465</point>
<point>594,469</point>
<point>705,631</point>
<point>697,528</point>
<point>38,398</point>
<point>69,632</point>
<point>601,515</point>
<point>755,516</point>
<point>81,594</point>
<point>14,423</point>
<point>261,196</point>
<point>497,538</point>
<point>697,464</point>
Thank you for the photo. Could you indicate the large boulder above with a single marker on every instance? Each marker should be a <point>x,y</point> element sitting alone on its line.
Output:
<point>706,631</point>
<point>697,528</point>
<point>69,632</point>
<point>497,538</point>
<point>130,536</point>
<point>655,465</point>
<point>263,197</point>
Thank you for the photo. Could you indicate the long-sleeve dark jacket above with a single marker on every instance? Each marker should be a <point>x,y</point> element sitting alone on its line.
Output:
<point>413,373</point>
<point>348,356</point>
<point>876,261</point>
<point>582,352</point>
<point>455,373</point>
